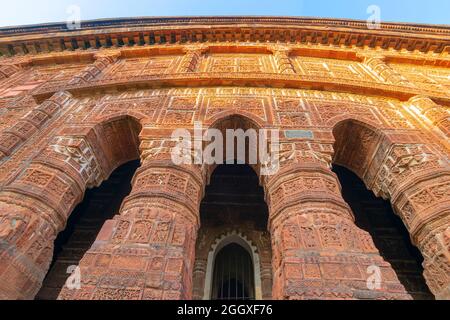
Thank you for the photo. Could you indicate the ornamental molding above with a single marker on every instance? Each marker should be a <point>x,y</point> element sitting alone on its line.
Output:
<point>270,80</point>
<point>150,31</point>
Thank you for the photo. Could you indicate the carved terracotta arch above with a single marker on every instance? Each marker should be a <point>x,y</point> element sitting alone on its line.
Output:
<point>345,117</point>
<point>35,207</point>
<point>356,143</point>
<point>414,177</point>
<point>222,241</point>
<point>236,119</point>
<point>255,121</point>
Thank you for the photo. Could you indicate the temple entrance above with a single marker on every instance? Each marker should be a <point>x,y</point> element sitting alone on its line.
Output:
<point>233,254</point>
<point>233,274</point>
<point>388,232</point>
<point>99,204</point>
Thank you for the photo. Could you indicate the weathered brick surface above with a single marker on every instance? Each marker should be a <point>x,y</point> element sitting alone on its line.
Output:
<point>74,107</point>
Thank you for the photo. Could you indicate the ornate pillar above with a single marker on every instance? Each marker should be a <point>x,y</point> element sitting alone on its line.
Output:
<point>199,276</point>
<point>102,61</point>
<point>147,251</point>
<point>35,207</point>
<point>191,60</point>
<point>283,61</point>
<point>417,182</point>
<point>377,64</point>
<point>318,251</point>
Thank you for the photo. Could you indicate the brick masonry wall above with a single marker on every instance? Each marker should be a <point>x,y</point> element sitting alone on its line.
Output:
<point>71,113</point>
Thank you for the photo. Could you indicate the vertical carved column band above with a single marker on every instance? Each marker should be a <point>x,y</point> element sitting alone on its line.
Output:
<point>191,59</point>
<point>147,252</point>
<point>283,61</point>
<point>318,251</point>
<point>92,71</point>
<point>383,71</point>
<point>432,114</point>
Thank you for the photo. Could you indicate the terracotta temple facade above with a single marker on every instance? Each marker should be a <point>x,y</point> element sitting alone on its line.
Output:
<point>89,194</point>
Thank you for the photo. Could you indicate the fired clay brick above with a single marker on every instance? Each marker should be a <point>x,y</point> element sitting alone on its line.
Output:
<point>75,105</point>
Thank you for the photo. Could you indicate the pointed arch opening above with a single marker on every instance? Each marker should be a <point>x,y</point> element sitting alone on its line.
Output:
<point>99,205</point>
<point>357,152</point>
<point>234,271</point>
<point>250,129</point>
<point>114,158</point>
<point>234,202</point>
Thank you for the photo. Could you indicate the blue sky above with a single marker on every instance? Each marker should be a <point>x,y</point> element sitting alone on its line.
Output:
<point>18,12</point>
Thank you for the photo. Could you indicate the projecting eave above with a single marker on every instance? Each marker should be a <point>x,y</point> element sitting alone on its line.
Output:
<point>121,32</point>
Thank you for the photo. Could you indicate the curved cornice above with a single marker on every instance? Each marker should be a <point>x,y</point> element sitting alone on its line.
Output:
<point>163,21</point>
<point>148,31</point>
<point>268,80</point>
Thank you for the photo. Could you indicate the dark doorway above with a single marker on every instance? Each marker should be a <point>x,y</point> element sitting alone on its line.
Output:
<point>234,197</point>
<point>99,204</point>
<point>233,274</point>
<point>234,203</point>
<point>389,234</point>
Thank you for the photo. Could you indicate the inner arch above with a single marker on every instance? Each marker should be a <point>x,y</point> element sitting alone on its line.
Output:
<point>233,204</point>
<point>233,277</point>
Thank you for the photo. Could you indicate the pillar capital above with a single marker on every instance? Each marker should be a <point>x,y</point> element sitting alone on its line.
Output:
<point>366,57</point>
<point>164,184</point>
<point>304,188</point>
<point>201,49</point>
<point>108,56</point>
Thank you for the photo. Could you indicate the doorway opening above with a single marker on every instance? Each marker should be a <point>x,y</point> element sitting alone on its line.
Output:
<point>233,253</point>
<point>233,274</point>
<point>99,205</point>
<point>388,232</point>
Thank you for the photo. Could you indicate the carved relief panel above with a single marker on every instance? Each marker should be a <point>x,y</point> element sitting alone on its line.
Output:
<point>141,67</point>
<point>233,63</point>
<point>333,68</point>
<point>46,77</point>
<point>425,77</point>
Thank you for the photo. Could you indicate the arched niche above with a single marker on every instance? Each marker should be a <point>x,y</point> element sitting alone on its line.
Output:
<point>232,238</point>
